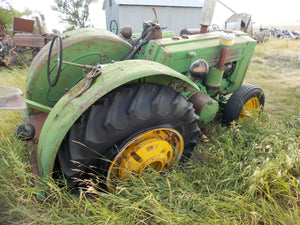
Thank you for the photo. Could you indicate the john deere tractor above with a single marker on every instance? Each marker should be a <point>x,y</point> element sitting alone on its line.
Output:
<point>102,107</point>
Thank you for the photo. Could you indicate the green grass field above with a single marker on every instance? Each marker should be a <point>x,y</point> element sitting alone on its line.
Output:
<point>238,174</point>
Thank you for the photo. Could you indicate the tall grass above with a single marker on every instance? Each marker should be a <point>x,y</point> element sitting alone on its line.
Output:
<point>238,174</point>
<point>275,67</point>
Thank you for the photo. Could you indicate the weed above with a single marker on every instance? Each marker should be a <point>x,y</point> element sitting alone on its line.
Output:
<point>238,174</point>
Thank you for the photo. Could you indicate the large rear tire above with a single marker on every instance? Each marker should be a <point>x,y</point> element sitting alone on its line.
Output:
<point>117,120</point>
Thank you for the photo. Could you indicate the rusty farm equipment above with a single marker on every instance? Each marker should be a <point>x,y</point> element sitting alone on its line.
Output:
<point>100,108</point>
<point>23,41</point>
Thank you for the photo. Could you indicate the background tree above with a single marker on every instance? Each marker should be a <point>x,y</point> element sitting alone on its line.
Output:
<point>7,14</point>
<point>73,12</point>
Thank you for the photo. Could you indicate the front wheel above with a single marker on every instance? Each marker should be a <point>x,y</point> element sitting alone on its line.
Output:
<point>128,130</point>
<point>245,102</point>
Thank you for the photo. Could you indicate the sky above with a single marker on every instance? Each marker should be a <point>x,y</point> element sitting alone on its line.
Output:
<point>262,11</point>
<point>97,15</point>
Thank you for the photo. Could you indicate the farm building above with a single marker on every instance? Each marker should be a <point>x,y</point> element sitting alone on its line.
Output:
<point>173,14</point>
<point>239,21</point>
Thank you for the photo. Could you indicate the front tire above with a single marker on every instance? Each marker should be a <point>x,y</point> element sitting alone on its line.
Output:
<point>97,136</point>
<point>245,102</point>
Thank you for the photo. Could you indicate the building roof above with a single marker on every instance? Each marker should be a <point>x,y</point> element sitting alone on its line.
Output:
<point>170,3</point>
<point>238,17</point>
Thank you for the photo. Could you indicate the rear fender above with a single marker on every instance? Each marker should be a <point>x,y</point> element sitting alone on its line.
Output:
<point>86,46</point>
<point>72,105</point>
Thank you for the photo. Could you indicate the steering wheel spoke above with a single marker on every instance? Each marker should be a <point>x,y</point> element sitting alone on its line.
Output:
<point>57,60</point>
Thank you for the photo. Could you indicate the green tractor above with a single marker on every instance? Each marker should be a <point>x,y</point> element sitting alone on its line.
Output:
<point>100,108</point>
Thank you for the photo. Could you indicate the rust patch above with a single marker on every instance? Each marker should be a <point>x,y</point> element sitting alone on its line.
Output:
<point>230,56</point>
<point>150,51</point>
<point>34,163</point>
<point>166,57</point>
<point>33,41</point>
<point>189,31</point>
<point>38,120</point>
<point>222,58</point>
<point>23,26</point>
<point>199,101</point>
<point>104,57</point>
<point>150,148</point>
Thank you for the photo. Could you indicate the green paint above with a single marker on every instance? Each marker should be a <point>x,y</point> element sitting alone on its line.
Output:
<point>164,61</point>
<point>209,112</point>
<point>69,108</point>
<point>87,46</point>
<point>37,106</point>
<point>214,77</point>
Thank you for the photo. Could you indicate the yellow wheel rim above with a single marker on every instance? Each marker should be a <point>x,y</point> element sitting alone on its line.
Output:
<point>251,108</point>
<point>157,148</point>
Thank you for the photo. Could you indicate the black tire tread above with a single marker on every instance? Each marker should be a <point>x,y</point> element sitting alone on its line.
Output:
<point>120,114</point>
<point>237,100</point>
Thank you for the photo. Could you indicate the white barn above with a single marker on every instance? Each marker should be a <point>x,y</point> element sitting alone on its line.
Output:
<point>173,14</point>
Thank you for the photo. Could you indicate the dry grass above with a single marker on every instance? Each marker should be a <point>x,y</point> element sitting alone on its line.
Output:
<point>282,47</point>
<point>275,67</point>
<point>238,175</point>
<point>12,78</point>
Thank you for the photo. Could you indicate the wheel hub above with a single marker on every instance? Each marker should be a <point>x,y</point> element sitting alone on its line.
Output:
<point>155,149</point>
<point>251,108</point>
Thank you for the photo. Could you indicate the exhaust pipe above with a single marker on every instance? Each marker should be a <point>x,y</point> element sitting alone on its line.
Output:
<point>214,78</point>
<point>45,30</point>
<point>207,14</point>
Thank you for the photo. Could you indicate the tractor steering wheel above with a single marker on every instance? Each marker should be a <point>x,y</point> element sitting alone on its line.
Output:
<point>58,61</point>
<point>215,27</point>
